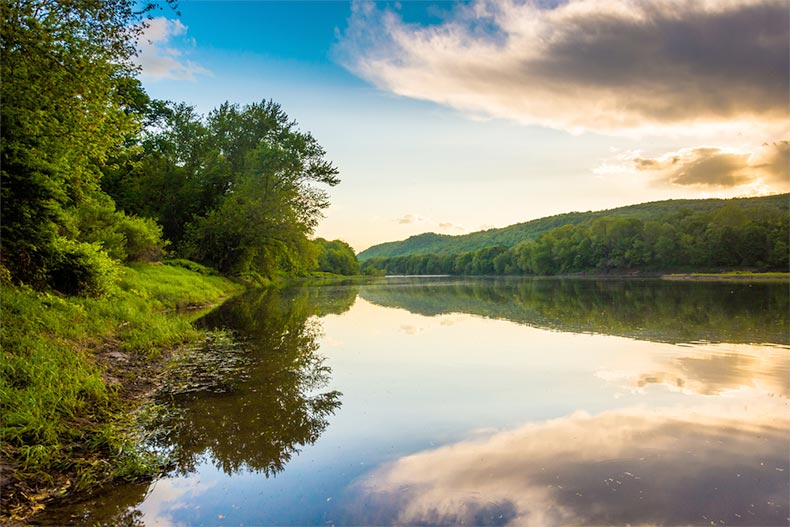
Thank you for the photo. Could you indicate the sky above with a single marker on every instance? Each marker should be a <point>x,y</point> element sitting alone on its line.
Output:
<point>454,117</point>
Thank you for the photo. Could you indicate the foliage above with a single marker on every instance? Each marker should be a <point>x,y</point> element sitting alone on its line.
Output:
<point>235,190</point>
<point>63,417</point>
<point>660,211</point>
<point>81,268</point>
<point>70,105</point>
<point>123,237</point>
<point>239,190</point>
<point>336,257</point>
<point>724,237</point>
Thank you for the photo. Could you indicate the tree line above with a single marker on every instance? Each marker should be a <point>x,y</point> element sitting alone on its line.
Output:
<point>660,211</point>
<point>722,238</point>
<point>95,173</point>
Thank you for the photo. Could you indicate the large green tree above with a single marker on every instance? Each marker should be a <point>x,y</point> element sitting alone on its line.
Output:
<point>239,190</point>
<point>68,104</point>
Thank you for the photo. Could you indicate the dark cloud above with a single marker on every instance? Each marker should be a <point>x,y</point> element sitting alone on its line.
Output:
<point>602,65</point>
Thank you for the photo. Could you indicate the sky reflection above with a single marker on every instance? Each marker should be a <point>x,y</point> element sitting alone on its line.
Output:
<point>619,467</point>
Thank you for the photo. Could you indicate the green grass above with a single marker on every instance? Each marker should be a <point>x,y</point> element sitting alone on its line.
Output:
<point>63,424</point>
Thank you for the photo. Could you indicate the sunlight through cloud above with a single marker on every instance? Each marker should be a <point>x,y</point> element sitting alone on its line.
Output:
<point>613,66</point>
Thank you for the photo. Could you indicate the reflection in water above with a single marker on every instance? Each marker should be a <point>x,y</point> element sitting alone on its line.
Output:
<point>251,399</point>
<point>244,403</point>
<point>615,468</point>
<point>704,314</point>
<point>279,408</point>
<point>661,311</point>
<point>714,369</point>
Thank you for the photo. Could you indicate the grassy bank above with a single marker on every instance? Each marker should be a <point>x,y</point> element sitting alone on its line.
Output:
<point>74,371</point>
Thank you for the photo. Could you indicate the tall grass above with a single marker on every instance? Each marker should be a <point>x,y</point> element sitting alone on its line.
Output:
<point>63,425</point>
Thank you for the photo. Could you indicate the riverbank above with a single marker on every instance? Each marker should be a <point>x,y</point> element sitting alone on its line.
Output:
<point>75,373</point>
<point>737,275</point>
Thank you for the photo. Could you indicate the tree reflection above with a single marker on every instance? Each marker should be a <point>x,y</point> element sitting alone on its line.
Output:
<point>275,405</point>
<point>653,310</point>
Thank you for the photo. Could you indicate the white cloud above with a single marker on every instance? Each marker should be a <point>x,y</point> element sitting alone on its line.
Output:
<point>602,65</point>
<point>158,57</point>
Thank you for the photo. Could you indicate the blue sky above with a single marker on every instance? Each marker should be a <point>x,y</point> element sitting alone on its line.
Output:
<point>454,117</point>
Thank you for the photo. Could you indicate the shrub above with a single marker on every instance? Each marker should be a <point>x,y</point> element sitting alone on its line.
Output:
<point>82,269</point>
<point>144,241</point>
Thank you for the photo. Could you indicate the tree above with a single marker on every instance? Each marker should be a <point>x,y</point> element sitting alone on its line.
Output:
<point>336,257</point>
<point>68,98</point>
<point>270,203</point>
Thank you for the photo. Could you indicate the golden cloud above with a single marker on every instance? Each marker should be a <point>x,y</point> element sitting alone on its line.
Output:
<point>714,167</point>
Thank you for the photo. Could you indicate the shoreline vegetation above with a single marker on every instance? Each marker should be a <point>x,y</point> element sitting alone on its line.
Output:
<point>78,375</point>
<point>675,236</point>
<point>94,195</point>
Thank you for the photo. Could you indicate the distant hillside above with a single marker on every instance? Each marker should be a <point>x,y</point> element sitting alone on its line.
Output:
<point>443,244</point>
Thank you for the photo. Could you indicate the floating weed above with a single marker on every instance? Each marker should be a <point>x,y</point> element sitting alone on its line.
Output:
<point>214,365</point>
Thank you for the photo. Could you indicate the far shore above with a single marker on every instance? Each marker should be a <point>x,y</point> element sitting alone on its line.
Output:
<point>738,276</point>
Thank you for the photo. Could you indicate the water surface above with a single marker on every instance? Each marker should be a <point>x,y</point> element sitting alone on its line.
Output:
<point>478,401</point>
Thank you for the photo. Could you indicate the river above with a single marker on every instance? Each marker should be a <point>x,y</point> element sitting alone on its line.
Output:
<point>445,401</point>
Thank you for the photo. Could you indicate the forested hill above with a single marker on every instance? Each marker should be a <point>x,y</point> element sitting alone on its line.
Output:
<point>662,211</point>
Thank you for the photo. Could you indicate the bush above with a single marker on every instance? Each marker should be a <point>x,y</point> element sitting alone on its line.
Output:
<point>144,241</point>
<point>82,269</point>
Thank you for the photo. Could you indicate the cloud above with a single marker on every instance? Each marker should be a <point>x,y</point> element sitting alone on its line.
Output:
<point>450,226</point>
<point>410,329</point>
<point>409,219</point>
<point>157,56</point>
<point>414,218</point>
<point>620,467</point>
<point>714,167</point>
<point>601,65</point>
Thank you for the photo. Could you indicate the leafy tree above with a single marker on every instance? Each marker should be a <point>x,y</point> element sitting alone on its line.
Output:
<point>239,189</point>
<point>270,202</point>
<point>336,257</point>
<point>68,103</point>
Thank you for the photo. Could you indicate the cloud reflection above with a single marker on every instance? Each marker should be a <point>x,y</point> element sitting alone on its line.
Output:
<point>615,468</point>
<point>714,370</point>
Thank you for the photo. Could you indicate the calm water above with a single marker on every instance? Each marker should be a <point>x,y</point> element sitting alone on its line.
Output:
<point>478,401</point>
